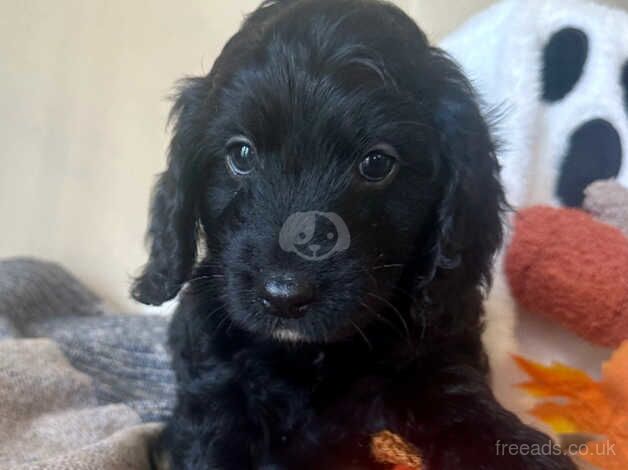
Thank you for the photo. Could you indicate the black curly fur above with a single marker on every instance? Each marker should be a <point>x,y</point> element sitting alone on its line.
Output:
<point>393,338</point>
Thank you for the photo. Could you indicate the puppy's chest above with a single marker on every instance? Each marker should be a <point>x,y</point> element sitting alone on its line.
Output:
<point>318,399</point>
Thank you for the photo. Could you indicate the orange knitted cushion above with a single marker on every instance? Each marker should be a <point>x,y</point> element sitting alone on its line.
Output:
<point>564,264</point>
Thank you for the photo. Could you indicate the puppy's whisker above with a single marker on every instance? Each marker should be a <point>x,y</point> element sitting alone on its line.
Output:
<point>408,295</point>
<point>224,319</point>
<point>375,268</point>
<point>371,276</point>
<point>414,306</point>
<point>382,319</point>
<point>208,276</point>
<point>395,310</point>
<point>386,266</point>
<point>202,284</point>
<point>213,312</point>
<point>229,326</point>
<point>362,334</point>
<point>204,280</point>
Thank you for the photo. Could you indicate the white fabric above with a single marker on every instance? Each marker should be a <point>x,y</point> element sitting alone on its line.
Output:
<point>500,50</point>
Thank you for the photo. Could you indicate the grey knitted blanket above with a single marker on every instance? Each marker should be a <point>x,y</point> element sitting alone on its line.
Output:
<point>80,388</point>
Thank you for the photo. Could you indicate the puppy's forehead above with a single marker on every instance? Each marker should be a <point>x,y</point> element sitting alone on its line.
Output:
<point>287,101</point>
<point>327,73</point>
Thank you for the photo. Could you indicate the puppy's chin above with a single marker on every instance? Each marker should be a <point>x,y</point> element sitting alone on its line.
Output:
<point>306,333</point>
<point>306,330</point>
<point>288,335</point>
<point>292,335</point>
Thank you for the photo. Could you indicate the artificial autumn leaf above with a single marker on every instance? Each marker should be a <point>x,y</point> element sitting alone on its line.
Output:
<point>591,407</point>
<point>389,448</point>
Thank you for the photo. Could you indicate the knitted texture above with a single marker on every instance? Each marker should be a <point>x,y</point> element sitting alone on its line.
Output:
<point>569,267</point>
<point>76,383</point>
<point>32,291</point>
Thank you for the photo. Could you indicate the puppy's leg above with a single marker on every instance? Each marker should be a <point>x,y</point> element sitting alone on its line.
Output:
<point>214,441</point>
<point>230,418</point>
<point>459,424</point>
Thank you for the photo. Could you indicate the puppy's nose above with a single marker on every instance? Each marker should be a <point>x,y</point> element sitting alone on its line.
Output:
<point>286,294</point>
<point>314,247</point>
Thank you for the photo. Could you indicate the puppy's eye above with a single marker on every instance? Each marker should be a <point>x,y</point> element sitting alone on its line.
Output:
<point>378,164</point>
<point>240,156</point>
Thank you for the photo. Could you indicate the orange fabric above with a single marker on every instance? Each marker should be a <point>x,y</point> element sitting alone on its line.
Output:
<point>564,264</point>
<point>597,408</point>
<point>389,448</point>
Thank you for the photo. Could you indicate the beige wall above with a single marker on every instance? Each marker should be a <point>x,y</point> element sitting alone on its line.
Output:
<point>82,119</point>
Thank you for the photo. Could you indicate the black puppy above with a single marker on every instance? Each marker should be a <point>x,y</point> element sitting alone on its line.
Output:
<point>345,188</point>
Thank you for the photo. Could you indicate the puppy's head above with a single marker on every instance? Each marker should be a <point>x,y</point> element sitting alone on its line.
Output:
<point>334,164</point>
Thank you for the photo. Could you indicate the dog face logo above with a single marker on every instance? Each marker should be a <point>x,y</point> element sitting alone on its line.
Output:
<point>314,235</point>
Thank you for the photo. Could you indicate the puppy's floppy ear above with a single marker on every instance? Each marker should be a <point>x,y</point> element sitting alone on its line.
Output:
<point>469,215</point>
<point>173,222</point>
